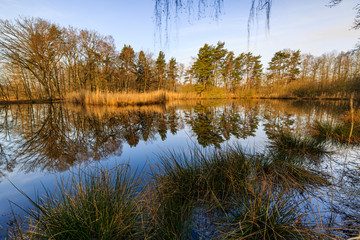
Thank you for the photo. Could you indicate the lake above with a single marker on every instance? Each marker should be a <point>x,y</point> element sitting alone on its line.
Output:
<point>42,142</point>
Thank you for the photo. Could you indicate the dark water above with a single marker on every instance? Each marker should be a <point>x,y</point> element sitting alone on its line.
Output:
<point>42,142</point>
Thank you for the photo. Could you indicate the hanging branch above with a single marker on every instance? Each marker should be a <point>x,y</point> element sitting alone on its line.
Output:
<point>168,10</point>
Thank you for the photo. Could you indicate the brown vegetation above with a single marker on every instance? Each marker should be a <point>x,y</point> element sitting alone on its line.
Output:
<point>123,98</point>
<point>135,98</point>
<point>44,61</point>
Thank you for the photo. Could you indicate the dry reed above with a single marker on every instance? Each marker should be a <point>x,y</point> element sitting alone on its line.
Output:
<point>124,99</point>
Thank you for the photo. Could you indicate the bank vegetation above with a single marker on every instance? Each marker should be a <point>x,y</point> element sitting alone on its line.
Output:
<point>44,61</point>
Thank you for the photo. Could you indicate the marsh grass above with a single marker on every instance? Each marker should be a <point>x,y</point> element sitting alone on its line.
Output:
<point>289,144</point>
<point>238,192</point>
<point>123,99</point>
<point>97,204</point>
<point>265,212</point>
<point>301,89</point>
<point>202,175</point>
<point>287,170</point>
<point>224,193</point>
<point>103,98</point>
<point>341,132</point>
<point>165,216</point>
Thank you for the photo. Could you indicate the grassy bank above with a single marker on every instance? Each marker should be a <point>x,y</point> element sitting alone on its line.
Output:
<point>294,90</point>
<point>220,194</point>
<point>305,89</point>
<point>300,90</point>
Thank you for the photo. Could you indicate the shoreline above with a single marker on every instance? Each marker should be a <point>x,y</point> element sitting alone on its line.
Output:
<point>33,101</point>
<point>157,102</point>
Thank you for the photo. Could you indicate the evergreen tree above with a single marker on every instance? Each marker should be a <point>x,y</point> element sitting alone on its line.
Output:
<point>237,74</point>
<point>218,56</point>
<point>294,65</point>
<point>160,68</point>
<point>284,66</point>
<point>257,71</point>
<point>127,59</point>
<point>227,69</point>
<point>204,66</point>
<point>278,65</point>
<point>143,72</point>
<point>172,74</point>
<point>252,70</point>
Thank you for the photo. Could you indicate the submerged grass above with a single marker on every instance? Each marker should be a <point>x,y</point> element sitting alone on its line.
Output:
<point>337,132</point>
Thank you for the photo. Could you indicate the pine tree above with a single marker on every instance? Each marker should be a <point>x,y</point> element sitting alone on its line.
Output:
<point>204,66</point>
<point>143,72</point>
<point>252,69</point>
<point>284,66</point>
<point>160,68</point>
<point>172,74</point>
<point>127,58</point>
<point>218,56</point>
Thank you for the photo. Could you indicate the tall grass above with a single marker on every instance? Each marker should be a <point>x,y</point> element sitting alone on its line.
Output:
<point>304,89</point>
<point>239,193</point>
<point>97,204</point>
<point>218,194</point>
<point>347,130</point>
<point>123,99</point>
<point>84,97</point>
<point>286,143</point>
<point>266,212</point>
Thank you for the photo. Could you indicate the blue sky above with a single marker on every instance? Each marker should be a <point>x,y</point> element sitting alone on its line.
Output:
<point>307,25</point>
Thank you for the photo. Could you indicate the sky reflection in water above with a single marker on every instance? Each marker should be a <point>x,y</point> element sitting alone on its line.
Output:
<point>42,142</point>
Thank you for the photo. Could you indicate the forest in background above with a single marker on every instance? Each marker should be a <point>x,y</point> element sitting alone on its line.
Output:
<point>41,60</point>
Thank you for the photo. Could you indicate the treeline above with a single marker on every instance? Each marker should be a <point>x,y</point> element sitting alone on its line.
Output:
<point>302,74</point>
<point>41,60</point>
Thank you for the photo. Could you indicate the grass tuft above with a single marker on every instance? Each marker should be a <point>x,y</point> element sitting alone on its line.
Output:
<point>342,132</point>
<point>97,204</point>
<point>289,144</point>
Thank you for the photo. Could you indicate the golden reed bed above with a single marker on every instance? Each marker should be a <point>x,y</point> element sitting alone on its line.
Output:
<point>123,99</point>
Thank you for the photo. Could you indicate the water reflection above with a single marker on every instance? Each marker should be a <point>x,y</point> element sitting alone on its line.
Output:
<point>55,137</point>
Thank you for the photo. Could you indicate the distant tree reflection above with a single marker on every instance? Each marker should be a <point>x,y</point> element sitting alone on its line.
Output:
<point>55,137</point>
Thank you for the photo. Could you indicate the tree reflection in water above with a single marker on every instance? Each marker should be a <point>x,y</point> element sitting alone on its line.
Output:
<point>55,137</point>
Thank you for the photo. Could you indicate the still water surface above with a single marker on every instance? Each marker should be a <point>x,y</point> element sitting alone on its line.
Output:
<point>39,143</point>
